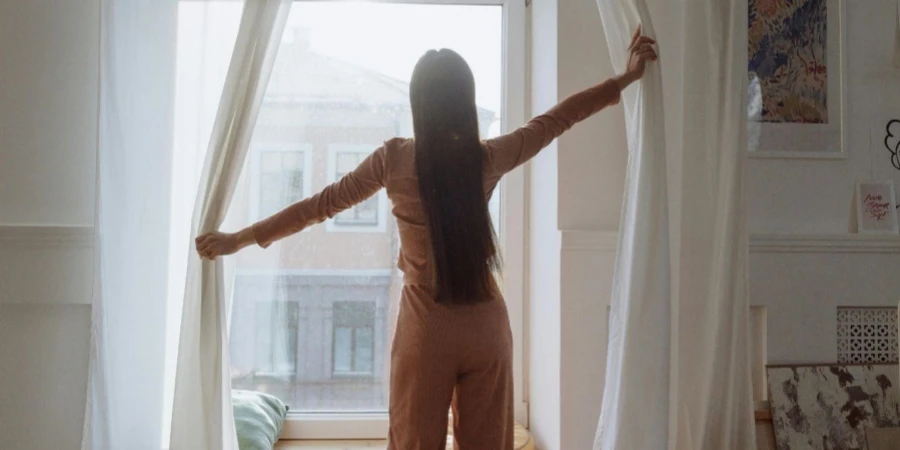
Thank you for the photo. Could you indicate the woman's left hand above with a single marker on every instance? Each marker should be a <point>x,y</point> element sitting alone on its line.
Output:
<point>215,244</point>
<point>640,52</point>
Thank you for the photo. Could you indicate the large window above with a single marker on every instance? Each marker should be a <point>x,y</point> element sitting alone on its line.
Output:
<point>310,315</point>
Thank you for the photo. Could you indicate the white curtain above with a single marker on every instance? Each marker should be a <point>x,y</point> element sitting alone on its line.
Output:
<point>202,415</point>
<point>639,328</point>
<point>134,332</point>
<point>694,393</point>
<point>713,363</point>
<point>125,392</point>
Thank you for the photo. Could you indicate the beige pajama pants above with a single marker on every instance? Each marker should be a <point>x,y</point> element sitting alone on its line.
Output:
<point>451,356</point>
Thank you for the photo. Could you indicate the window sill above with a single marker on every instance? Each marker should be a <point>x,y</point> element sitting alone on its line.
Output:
<point>523,442</point>
<point>329,445</point>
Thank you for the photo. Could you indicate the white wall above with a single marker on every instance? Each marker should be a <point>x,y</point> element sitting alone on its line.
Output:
<point>48,70</point>
<point>587,267</point>
<point>813,196</point>
<point>593,154</point>
<point>591,171</point>
<point>43,365</point>
<point>801,285</point>
<point>48,107</point>
<point>798,274</point>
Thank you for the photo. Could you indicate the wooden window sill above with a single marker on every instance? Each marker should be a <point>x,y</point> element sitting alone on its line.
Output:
<point>523,442</point>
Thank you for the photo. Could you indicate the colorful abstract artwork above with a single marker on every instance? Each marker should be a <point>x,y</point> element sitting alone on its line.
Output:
<point>787,57</point>
<point>831,407</point>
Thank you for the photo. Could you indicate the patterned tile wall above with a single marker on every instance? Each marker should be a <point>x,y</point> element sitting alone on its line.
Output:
<point>867,335</point>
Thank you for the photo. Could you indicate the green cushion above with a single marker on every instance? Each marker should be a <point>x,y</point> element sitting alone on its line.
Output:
<point>258,419</point>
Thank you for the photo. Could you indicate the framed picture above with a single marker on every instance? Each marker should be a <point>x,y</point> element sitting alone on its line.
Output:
<point>796,79</point>
<point>830,406</point>
<point>875,204</point>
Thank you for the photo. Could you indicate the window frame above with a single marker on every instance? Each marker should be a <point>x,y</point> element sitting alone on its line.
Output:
<point>331,225</point>
<point>513,234</point>
<point>256,154</point>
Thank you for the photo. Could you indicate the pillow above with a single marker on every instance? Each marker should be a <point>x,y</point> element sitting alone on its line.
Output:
<point>258,419</point>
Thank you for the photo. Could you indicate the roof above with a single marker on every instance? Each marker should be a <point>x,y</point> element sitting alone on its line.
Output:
<point>323,79</point>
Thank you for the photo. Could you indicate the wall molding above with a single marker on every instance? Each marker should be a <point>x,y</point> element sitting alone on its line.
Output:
<point>824,243</point>
<point>583,240</point>
<point>46,236</point>
<point>79,236</point>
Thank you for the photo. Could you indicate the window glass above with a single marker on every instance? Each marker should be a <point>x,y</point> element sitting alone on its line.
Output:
<point>309,315</point>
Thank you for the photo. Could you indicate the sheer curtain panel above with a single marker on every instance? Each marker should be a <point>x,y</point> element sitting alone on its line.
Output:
<point>125,391</point>
<point>678,372</point>
<point>201,416</point>
<point>143,234</point>
<point>636,393</point>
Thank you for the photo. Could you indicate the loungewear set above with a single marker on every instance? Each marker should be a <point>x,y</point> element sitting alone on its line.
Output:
<point>442,355</point>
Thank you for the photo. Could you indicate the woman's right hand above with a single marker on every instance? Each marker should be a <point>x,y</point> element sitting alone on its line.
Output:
<point>640,51</point>
<point>215,244</point>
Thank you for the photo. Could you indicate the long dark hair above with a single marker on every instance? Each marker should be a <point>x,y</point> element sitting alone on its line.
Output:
<point>450,167</point>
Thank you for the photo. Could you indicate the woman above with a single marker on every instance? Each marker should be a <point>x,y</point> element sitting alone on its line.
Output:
<point>453,344</point>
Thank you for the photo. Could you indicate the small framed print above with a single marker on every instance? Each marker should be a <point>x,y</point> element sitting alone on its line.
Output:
<point>875,203</point>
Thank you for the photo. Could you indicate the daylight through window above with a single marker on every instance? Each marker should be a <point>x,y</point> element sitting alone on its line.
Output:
<point>310,314</point>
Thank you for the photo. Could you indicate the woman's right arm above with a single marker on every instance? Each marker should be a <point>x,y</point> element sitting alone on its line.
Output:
<point>514,149</point>
<point>352,189</point>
